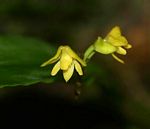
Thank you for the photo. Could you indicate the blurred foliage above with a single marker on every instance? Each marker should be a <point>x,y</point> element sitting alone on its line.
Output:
<point>56,20</point>
<point>21,59</point>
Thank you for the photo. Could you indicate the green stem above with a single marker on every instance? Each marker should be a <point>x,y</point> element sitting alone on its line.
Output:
<point>89,53</point>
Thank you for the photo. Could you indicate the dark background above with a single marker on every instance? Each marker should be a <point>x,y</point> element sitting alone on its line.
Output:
<point>120,98</point>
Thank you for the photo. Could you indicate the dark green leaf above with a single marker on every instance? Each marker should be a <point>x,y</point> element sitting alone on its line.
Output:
<point>20,60</point>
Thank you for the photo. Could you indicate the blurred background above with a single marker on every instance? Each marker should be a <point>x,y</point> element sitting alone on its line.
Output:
<point>114,96</point>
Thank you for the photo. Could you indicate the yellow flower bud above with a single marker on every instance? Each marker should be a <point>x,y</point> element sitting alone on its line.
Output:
<point>67,61</point>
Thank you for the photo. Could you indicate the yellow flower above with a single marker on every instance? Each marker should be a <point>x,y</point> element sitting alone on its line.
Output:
<point>67,61</point>
<point>113,42</point>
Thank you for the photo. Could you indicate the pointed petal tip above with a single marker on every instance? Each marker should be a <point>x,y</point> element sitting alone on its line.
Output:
<point>43,65</point>
<point>116,26</point>
<point>66,80</point>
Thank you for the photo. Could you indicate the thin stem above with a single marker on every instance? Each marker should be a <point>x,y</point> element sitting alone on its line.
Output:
<point>89,53</point>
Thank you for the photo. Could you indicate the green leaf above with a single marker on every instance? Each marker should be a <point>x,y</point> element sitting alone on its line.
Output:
<point>20,60</point>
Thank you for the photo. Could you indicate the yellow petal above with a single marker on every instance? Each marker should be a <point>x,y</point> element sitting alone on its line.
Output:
<point>115,32</point>
<point>115,37</point>
<point>55,69</point>
<point>74,55</point>
<point>118,59</point>
<point>78,67</point>
<point>121,51</point>
<point>117,41</point>
<point>68,73</point>
<point>54,58</point>
<point>128,46</point>
<point>104,47</point>
<point>65,60</point>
